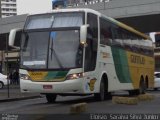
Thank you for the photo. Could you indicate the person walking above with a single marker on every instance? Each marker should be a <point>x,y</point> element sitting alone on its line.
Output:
<point>11,78</point>
<point>16,77</point>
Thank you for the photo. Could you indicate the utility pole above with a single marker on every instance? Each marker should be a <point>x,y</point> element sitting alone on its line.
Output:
<point>0,10</point>
<point>7,64</point>
<point>104,4</point>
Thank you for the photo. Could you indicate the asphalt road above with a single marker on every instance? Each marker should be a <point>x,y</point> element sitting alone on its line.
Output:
<point>40,106</point>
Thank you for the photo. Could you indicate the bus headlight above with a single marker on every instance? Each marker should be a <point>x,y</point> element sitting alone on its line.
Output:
<point>25,77</point>
<point>74,76</point>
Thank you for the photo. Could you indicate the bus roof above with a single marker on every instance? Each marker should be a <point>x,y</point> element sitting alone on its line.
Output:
<point>99,14</point>
<point>77,9</point>
<point>71,10</point>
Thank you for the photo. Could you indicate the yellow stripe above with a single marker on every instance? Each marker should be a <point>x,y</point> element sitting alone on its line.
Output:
<point>130,28</point>
<point>37,75</point>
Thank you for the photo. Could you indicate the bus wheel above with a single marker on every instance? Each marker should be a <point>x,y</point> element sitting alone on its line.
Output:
<point>155,89</point>
<point>51,98</point>
<point>142,87</point>
<point>101,95</point>
<point>133,92</point>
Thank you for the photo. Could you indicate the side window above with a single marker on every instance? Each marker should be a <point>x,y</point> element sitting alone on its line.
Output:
<point>157,40</point>
<point>92,42</point>
<point>127,40</point>
<point>117,36</point>
<point>105,32</point>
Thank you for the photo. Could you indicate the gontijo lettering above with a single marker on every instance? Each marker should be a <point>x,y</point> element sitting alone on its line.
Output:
<point>137,59</point>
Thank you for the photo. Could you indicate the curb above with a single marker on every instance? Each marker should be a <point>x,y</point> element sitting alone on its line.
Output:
<point>78,108</point>
<point>20,98</point>
<point>145,97</point>
<point>132,100</point>
<point>125,100</point>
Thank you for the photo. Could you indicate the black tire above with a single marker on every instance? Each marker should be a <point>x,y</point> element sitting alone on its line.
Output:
<point>142,87</point>
<point>141,90</point>
<point>155,89</point>
<point>51,98</point>
<point>101,95</point>
<point>146,83</point>
<point>1,85</point>
<point>133,92</point>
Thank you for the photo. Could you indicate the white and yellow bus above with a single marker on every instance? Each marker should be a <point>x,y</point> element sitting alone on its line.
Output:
<point>81,52</point>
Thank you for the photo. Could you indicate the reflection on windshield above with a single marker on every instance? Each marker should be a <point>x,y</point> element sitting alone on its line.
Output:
<point>34,49</point>
<point>53,36</point>
<point>63,47</point>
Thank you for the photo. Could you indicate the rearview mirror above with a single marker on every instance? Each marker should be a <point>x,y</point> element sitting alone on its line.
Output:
<point>12,37</point>
<point>83,34</point>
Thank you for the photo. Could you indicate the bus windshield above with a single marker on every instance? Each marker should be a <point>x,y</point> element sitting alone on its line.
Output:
<point>51,41</point>
<point>51,50</point>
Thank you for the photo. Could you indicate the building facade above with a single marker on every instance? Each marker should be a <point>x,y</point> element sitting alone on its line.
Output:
<point>9,57</point>
<point>8,8</point>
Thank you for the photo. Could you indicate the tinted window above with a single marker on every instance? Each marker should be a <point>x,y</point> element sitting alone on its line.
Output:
<point>117,36</point>
<point>105,32</point>
<point>157,40</point>
<point>92,42</point>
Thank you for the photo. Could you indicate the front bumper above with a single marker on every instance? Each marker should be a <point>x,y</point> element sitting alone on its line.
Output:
<point>65,87</point>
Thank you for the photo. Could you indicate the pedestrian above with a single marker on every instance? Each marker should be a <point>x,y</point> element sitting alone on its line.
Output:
<point>16,77</point>
<point>11,77</point>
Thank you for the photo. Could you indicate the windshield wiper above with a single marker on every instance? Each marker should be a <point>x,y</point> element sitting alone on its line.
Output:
<point>57,59</point>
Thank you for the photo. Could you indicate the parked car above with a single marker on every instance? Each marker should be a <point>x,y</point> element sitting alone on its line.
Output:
<point>3,80</point>
<point>156,80</point>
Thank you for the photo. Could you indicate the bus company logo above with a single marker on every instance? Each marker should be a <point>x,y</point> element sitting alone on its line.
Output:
<point>137,59</point>
<point>36,73</point>
<point>105,55</point>
<point>92,83</point>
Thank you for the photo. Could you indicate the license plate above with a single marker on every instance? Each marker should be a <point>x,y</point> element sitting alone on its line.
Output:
<point>47,86</point>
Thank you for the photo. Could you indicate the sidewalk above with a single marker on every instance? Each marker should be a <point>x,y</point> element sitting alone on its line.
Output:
<point>15,94</point>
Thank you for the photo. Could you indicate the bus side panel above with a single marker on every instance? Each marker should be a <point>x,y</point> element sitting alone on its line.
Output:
<point>140,65</point>
<point>112,62</point>
<point>121,65</point>
<point>131,66</point>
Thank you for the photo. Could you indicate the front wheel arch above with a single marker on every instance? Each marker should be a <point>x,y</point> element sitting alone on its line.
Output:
<point>147,82</point>
<point>142,86</point>
<point>103,87</point>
